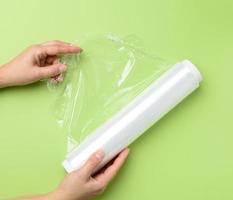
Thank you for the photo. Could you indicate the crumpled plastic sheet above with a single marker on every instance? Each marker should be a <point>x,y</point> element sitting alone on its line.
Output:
<point>100,81</point>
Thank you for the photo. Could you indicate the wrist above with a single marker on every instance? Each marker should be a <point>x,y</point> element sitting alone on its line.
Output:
<point>3,77</point>
<point>60,194</point>
<point>55,195</point>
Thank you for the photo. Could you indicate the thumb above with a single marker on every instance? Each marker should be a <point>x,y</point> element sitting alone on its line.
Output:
<point>88,168</point>
<point>52,70</point>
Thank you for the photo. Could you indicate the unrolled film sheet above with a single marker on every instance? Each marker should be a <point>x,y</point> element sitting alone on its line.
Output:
<point>105,77</point>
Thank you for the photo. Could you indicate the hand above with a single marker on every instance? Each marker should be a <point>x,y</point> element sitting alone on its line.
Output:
<point>81,185</point>
<point>35,63</point>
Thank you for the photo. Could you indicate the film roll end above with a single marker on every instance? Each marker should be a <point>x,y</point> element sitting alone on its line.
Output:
<point>193,69</point>
<point>67,166</point>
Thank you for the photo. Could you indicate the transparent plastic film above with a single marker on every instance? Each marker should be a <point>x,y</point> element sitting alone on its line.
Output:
<point>99,82</point>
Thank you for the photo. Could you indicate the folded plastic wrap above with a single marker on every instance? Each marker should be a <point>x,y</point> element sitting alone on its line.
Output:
<point>104,78</point>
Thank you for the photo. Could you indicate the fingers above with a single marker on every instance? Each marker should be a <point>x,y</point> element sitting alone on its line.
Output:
<point>46,56</point>
<point>56,42</point>
<point>51,60</point>
<point>112,170</point>
<point>51,71</point>
<point>87,170</point>
<point>52,50</point>
<point>56,47</point>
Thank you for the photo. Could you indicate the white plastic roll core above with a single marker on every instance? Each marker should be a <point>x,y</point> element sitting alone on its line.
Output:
<point>139,115</point>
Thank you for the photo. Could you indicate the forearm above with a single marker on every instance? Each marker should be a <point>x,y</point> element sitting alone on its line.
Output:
<point>55,195</point>
<point>39,197</point>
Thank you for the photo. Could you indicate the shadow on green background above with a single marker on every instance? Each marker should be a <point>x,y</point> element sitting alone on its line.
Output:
<point>187,155</point>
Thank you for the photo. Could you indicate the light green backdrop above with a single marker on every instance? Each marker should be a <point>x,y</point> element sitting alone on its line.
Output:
<point>187,155</point>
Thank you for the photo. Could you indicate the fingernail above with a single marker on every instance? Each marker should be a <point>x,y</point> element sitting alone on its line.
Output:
<point>79,48</point>
<point>62,68</point>
<point>99,154</point>
<point>73,45</point>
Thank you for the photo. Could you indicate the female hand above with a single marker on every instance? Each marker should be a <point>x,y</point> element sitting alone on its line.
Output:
<point>35,63</point>
<point>82,185</point>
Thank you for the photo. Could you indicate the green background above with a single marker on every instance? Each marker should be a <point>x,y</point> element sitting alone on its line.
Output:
<point>187,155</point>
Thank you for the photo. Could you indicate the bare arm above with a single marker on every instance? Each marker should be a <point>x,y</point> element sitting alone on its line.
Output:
<point>39,62</point>
<point>80,184</point>
<point>36,62</point>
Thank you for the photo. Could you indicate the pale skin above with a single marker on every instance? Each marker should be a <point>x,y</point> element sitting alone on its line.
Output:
<point>39,62</point>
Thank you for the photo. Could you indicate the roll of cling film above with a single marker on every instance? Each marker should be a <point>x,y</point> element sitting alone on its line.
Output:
<point>140,114</point>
